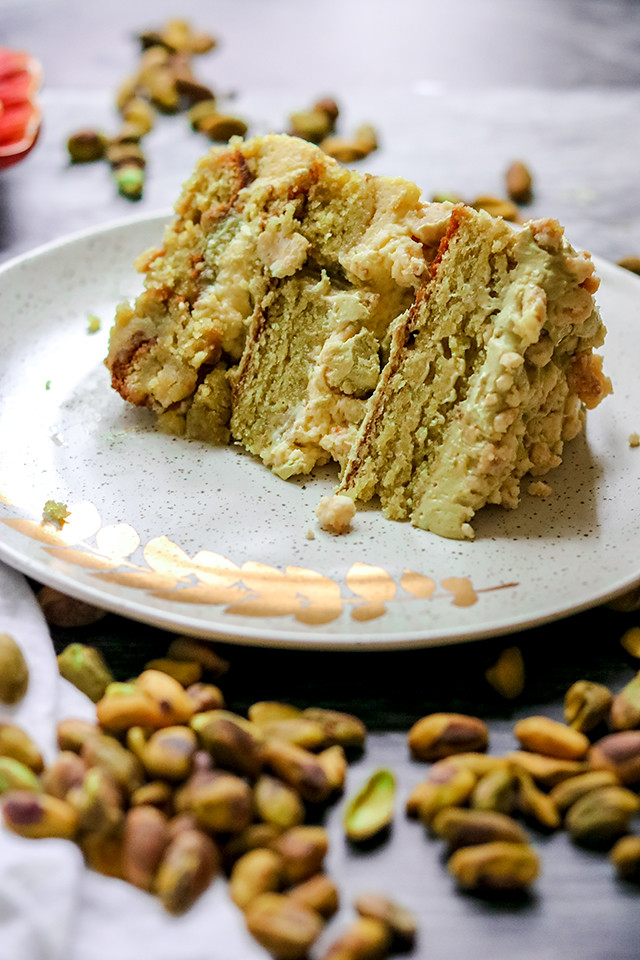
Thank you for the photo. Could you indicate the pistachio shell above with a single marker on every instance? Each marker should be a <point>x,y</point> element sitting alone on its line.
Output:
<point>371,809</point>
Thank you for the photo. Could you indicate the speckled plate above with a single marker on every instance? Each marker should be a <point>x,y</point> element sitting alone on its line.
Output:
<point>209,542</point>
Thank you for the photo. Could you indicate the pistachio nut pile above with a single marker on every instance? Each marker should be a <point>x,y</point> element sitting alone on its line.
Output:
<point>164,82</point>
<point>169,789</point>
<point>582,775</point>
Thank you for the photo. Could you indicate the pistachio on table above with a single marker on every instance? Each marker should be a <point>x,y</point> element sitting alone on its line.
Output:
<point>625,707</point>
<point>366,938</point>
<point>550,738</point>
<point>14,673</point>
<point>534,803</point>
<point>285,928</point>
<point>625,856</point>
<point>546,771</point>
<point>38,815</point>
<point>586,704</point>
<point>60,610</point>
<point>506,675</point>
<point>146,837</point>
<point>466,828</point>
<point>126,705</point>
<point>519,182</point>
<point>186,672</point>
<point>448,785</point>
<point>342,729</point>
<point>220,801</point>
<point>619,752</point>
<point>102,750</point>
<point>599,817</point>
<point>333,761</point>
<point>401,921</point>
<point>169,752</point>
<point>495,866</point>
<point>319,893</point>
<point>85,668</point>
<point>302,850</point>
<point>300,768</point>
<point>370,811</point>
<point>315,123</point>
<point>205,697</point>
<point>188,866</point>
<point>233,742</point>
<point>439,735</point>
<point>278,803</point>
<point>496,790</point>
<point>301,731</point>
<point>16,743</point>
<point>15,775</point>
<point>566,793</point>
<point>258,871</point>
<point>186,648</point>
<point>86,146</point>
<point>74,733</point>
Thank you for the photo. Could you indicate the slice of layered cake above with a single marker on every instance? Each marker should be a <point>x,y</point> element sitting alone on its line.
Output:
<point>311,313</point>
<point>273,296</point>
<point>488,376</point>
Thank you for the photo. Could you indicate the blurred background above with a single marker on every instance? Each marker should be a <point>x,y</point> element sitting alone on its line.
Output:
<point>454,90</point>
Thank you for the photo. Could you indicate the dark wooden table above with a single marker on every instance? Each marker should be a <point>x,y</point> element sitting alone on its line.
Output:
<point>518,62</point>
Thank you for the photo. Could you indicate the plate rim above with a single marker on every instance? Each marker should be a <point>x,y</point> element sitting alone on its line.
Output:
<point>270,636</point>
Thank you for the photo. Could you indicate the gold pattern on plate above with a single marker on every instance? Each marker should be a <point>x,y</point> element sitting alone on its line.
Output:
<point>249,590</point>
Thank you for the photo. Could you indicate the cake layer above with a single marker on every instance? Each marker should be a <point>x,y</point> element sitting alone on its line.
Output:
<point>253,215</point>
<point>437,354</point>
<point>487,376</point>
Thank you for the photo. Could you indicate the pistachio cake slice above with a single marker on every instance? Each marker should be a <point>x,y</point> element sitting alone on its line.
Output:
<point>273,293</point>
<point>488,375</point>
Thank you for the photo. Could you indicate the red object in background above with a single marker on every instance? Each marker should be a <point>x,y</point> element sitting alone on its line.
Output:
<point>20,114</point>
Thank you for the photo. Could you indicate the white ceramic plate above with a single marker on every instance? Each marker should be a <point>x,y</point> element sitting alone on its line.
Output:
<point>207,541</point>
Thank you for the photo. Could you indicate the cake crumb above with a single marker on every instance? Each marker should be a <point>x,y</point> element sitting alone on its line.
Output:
<point>336,513</point>
<point>634,439</point>
<point>55,513</point>
<point>539,488</point>
<point>310,535</point>
<point>93,323</point>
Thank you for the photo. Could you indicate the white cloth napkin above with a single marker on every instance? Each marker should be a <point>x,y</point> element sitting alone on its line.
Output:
<point>51,906</point>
